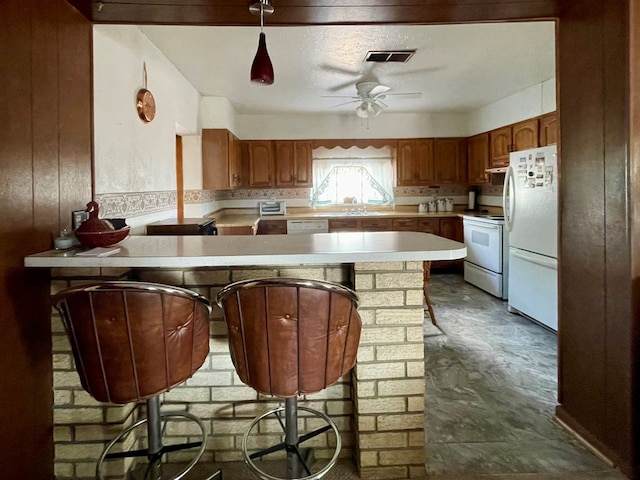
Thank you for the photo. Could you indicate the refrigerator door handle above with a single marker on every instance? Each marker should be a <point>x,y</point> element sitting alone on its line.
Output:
<point>537,259</point>
<point>508,198</point>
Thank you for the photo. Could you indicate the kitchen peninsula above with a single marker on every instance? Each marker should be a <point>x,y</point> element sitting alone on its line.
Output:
<point>379,408</point>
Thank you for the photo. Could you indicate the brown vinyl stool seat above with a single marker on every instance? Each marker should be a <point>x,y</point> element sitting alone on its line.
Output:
<point>133,341</point>
<point>289,337</point>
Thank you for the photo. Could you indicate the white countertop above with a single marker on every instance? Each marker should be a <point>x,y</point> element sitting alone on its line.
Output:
<point>247,250</point>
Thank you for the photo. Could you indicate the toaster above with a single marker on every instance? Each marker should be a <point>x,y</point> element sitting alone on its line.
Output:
<point>272,207</point>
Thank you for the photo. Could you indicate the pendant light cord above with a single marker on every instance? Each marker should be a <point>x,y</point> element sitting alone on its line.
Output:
<point>261,16</point>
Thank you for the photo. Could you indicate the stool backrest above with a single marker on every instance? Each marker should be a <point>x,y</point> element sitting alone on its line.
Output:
<point>289,337</point>
<point>134,340</point>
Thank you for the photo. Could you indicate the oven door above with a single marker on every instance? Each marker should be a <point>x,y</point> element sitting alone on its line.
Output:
<point>484,244</point>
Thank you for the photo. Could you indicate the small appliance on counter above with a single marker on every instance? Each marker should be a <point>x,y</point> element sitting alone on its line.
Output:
<point>272,207</point>
<point>183,226</point>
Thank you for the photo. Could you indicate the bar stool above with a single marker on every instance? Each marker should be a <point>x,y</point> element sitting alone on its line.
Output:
<point>290,337</point>
<point>133,341</point>
<point>425,288</point>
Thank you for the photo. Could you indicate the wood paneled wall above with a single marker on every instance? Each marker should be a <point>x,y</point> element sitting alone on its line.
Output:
<point>45,167</point>
<point>45,162</point>
<point>598,317</point>
<point>309,12</point>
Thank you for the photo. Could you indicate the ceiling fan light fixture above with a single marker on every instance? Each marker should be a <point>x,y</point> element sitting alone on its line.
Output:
<point>377,109</point>
<point>262,68</point>
<point>362,111</point>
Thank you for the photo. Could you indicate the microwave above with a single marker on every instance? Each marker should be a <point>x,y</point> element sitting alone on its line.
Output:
<point>273,207</point>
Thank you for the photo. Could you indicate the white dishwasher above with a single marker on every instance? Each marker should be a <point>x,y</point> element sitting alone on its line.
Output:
<point>297,227</point>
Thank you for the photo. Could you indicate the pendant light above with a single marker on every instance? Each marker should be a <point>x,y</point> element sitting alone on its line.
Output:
<point>261,68</point>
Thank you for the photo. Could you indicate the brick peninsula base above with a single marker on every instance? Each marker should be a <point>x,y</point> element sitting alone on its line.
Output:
<point>379,408</point>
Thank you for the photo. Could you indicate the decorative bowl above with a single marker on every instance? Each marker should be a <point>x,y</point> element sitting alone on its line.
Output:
<point>105,238</point>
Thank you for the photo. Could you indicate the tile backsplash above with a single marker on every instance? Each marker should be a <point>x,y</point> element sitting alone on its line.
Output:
<point>131,204</point>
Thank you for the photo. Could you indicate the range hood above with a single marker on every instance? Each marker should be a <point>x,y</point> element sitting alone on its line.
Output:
<point>496,170</point>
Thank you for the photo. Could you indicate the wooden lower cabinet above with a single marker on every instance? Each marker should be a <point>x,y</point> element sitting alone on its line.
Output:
<point>375,224</point>
<point>451,228</point>
<point>429,225</point>
<point>404,224</point>
<point>237,230</point>
<point>272,227</point>
<point>345,225</point>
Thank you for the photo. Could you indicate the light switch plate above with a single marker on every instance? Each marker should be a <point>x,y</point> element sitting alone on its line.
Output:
<point>77,218</point>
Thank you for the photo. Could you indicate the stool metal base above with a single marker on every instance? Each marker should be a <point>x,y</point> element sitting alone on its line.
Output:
<point>298,467</point>
<point>156,449</point>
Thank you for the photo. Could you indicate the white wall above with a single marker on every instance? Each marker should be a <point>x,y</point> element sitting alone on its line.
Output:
<point>217,112</point>
<point>131,156</point>
<point>387,125</point>
<point>528,103</point>
<point>192,176</point>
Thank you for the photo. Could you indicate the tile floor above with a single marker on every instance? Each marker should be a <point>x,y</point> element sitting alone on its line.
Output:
<point>491,394</point>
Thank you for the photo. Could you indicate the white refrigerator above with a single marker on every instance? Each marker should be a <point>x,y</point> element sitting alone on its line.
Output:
<point>530,202</point>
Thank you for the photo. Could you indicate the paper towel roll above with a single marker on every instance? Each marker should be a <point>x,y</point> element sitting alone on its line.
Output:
<point>472,200</point>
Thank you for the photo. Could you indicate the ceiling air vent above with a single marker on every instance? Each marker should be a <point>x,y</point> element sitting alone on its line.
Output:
<point>385,56</point>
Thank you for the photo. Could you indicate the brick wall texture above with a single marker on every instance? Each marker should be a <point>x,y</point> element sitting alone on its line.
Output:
<point>378,408</point>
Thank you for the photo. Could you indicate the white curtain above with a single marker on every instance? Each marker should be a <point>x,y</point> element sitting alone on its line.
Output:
<point>359,176</point>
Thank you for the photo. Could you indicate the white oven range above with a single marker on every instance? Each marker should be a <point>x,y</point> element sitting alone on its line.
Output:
<point>487,262</point>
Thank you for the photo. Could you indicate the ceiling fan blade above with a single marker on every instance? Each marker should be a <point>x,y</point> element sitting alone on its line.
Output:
<point>345,103</point>
<point>381,103</point>
<point>355,97</point>
<point>413,71</point>
<point>378,90</point>
<point>339,69</point>
<point>405,94</point>
<point>340,86</point>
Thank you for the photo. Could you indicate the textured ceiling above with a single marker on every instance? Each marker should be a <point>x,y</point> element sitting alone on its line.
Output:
<point>456,68</point>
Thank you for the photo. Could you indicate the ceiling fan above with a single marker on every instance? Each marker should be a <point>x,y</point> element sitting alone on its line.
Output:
<point>370,96</point>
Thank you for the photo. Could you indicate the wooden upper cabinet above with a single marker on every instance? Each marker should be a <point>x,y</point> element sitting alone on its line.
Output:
<point>236,167</point>
<point>415,162</point>
<point>500,145</point>
<point>221,161</point>
<point>303,163</point>
<point>549,131</point>
<point>293,163</point>
<point>450,160</point>
<point>478,159</point>
<point>424,165</point>
<point>260,162</point>
<point>284,159</point>
<point>405,161</point>
<point>525,135</point>
<point>512,138</point>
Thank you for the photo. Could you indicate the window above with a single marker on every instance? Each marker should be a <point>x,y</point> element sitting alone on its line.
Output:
<point>352,176</point>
